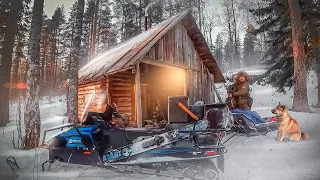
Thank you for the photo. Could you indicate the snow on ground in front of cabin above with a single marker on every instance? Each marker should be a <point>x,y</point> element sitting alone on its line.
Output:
<point>248,158</point>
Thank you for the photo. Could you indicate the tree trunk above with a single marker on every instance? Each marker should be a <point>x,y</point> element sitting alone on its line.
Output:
<point>140,16</point>
<point>300,99</point>
<point>94,31</point>
<point>6,60</point>
<point>170,8</point>
<point>74,65</point>
<point>230,36</point>
<point>32,110</point>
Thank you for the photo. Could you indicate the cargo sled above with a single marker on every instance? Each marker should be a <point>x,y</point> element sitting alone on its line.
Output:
<point>245,125</point>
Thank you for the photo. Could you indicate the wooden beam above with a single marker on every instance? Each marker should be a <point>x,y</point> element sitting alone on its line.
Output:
<point>138,97</point>
<point>166,65</point>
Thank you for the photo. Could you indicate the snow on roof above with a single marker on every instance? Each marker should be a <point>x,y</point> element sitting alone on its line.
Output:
<point>110,61</point>
<point>129,53</point>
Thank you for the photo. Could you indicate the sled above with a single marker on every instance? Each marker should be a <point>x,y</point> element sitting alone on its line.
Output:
<point>244,125</point>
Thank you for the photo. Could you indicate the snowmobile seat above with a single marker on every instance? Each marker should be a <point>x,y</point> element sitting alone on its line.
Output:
<point>115,137</point>
<point>134,133</point>
<point>198,109</point>
<point>214,113</point>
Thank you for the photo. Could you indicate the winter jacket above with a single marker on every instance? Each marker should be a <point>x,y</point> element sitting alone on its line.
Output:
<point>242,96</point>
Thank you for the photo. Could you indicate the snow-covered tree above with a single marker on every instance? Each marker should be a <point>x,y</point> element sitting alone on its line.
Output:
<point>87,31</point>
<point>106,32</point>
<point>32,110</point>
<point>228,53</point>
<point>218,51</point>
<point>249,55</point>
<point>74,64</point>
<point>19,56</point>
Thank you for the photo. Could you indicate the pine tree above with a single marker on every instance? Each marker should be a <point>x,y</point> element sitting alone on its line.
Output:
<point>107,34</point>
<point>228,52</point>
<point>249,56</point>
<point>128,21</point>
<point>300,98</point>
<point>218,51</point>
<point>19,56</point>
<point>275,21</point>
<point>278,57</point>
<point>86,34</point>
<point>6,59</point>
<point>74,64</point>
<point>4,12</point>
<point>32,110</point>
<point>54,27</point>
<point>311,11</point>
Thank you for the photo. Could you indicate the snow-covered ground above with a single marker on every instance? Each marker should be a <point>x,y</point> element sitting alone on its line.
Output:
<point>253,158</point>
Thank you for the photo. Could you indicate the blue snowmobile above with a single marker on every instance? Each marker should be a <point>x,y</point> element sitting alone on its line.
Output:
<point>190,145</point>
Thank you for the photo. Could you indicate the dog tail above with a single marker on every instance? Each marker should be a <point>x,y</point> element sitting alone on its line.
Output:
<point>304,136</point>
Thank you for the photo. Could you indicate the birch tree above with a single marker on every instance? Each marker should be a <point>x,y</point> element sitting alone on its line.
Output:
<point>74,64</point>
<point>32,111</point>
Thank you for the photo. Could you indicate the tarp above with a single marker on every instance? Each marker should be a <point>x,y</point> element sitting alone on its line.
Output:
<point>250,115</point>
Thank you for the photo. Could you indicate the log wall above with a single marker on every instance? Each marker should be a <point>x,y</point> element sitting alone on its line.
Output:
<point>122,92</point>
<point>84,93</point>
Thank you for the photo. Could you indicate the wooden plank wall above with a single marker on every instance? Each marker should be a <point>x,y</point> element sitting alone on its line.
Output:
<point>177,48</point>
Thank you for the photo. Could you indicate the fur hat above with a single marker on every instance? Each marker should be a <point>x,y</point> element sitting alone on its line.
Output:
<point>241,74</point>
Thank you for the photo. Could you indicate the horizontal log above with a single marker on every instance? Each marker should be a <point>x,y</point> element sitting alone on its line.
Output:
<point>89,84</point>
<point>113,84</point>
<point>121,80</point>
<point>117,88</point>
<point>121,104</point>
<point>128,76</point>
<point>121,98</point>
<point>121,95</point>
<point>124,109</point>
<point>89,88</point>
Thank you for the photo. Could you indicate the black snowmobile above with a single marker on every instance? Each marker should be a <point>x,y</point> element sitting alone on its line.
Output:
<point>189,149</point>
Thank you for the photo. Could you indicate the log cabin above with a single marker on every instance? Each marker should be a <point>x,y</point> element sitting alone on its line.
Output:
<point>140,74</point>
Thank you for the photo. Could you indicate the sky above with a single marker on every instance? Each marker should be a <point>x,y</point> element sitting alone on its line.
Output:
<point>51,5</point>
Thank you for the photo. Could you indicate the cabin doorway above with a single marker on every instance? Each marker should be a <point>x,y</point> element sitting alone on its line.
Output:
<point>157,84</point>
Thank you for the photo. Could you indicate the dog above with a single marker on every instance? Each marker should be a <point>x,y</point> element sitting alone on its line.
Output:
<point>287,125</point>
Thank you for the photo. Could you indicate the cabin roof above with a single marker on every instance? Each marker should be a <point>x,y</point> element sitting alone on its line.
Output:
<point>127,54</point>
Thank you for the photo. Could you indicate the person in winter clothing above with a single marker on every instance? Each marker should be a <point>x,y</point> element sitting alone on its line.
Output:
<point>238,93</point>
